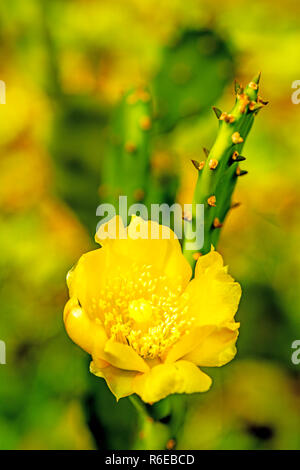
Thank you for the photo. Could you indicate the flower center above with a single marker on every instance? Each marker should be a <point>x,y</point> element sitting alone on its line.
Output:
<point>140,311</point>
<point>143,309</point>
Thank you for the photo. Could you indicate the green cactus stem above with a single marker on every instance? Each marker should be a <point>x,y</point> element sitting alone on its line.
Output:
<point>127,163</point>
<point>128,167</point>
<point>218,173</point>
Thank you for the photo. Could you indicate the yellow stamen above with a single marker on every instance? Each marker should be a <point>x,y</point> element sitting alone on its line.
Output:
<point>141,309</point>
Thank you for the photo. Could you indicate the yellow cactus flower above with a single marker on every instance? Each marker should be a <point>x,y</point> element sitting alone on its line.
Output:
<point>147,326</point>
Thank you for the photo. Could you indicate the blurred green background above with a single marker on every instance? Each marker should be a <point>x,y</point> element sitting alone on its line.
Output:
<point>66,65</point>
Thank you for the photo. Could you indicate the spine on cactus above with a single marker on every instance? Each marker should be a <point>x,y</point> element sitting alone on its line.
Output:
<point>220,169</point>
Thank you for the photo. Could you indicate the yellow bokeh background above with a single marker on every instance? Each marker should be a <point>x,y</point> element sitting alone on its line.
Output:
<point>58,57</point>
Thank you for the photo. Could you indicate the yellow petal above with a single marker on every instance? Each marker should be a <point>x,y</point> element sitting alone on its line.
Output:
<point>100,363</point>
<point>176,266</point>
<point>188,343</point>
<point>217,349</point>
<point>123,356</point>
<point>111,230</point>
<point>211,259</point>
<point>213,294</point>
<point>165,379</point>
<point>154,244</point>
<point>81,329</point>
<point>87,277</point>
<point>119,381</point>
<point>163,252</point>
